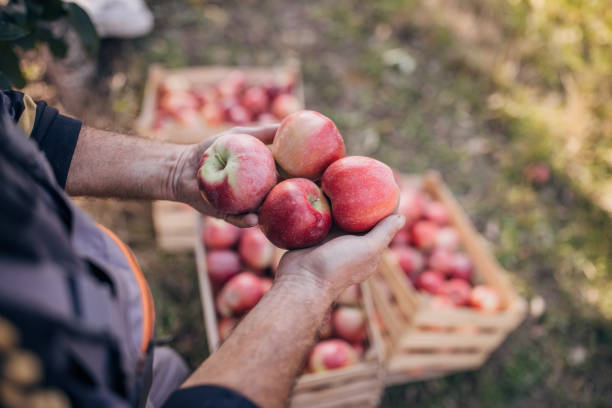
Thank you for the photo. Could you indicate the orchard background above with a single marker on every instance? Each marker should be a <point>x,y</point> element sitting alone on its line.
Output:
<point>481,90</point>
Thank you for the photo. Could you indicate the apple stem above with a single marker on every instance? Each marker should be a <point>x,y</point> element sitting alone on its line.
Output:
<point>221,159</point>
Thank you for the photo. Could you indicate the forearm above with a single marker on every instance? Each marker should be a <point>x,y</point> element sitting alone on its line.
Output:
<point>109,164</point>
<point>264,353</point>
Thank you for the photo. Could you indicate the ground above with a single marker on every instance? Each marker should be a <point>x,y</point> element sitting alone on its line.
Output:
<point>473,89</point>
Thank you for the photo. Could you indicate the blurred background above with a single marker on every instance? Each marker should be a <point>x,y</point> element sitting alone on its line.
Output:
<point>511,100</point>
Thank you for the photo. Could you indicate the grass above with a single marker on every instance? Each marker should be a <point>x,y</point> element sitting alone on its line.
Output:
<point>475,89</point>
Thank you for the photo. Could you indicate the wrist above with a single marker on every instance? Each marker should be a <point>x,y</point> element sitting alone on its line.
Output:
<point>307,286</point>
<point>179,172</point>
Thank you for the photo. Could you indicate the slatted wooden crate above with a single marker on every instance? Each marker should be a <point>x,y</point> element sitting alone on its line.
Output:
<point>202,76</point>
<point>360,385</point>
<point>423,341</point>
<point>175,225</point>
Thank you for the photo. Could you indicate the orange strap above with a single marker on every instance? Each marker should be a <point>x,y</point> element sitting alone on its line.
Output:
<point>145,293</point>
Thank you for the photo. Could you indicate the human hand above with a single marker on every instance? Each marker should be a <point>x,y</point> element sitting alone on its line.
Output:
<point>341,261</point>
<point>184,181</point>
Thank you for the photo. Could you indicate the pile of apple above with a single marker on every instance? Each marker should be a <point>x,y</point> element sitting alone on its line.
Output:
<point>238,174</point>
<point>428,251</point>
<point>239,264</point>
<point>342,338</point>
<point>231,101</point>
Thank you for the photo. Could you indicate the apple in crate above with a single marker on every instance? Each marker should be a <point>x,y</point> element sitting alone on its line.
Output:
<point>409,259</point>
<point>239,294</point>
<point>330,355</point>
<point>485,298</point>
<point>306,143</point>
<point>401,239</point>
<point>222,264</point>
<point>457,291</point>
<point>424,234</point>
<point>349,296</point>
<point>235,173</point>
<point>441,260</point>
<point>255,249</point>
<point>448,238</point>
<point>219,234</point>
<point>266,284</point>
<point>295,214</point>
<point>349,323</point>
<point>255,99</point>
<point>436,212</point>
<point>412,204</point>
<point>285,104</point>
<point>238,115</point>
<point>213,114</point>
<point>431,282</point>
<point>362,192</point>
<point>232,84</point>
<point>226,326</point>
<point>461,266</point>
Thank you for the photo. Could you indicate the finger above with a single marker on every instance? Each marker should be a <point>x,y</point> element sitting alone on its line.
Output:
<point>242,220</point>
<point>381,235</point>
<point>264,133</point>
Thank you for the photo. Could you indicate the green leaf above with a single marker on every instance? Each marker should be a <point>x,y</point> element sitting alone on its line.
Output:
<point>11,32</point>
<point>9,65</point>
<point>5,84</point>
<point>79,19</point>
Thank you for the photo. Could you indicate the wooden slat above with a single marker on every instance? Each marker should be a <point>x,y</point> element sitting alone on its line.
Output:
<point>376,342</point>
<point>438,361</point>
<point>403,377</point>
<point>419,339</point>
<point>339,376</point>
<point>394,323</point>
<point>339,394</point>
<point>405,296</point>
<point>175,225</point>
<point>457,317</point>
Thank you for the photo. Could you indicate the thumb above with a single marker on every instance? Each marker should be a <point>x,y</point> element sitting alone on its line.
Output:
<point>242,220</point>
<point>381,235</point>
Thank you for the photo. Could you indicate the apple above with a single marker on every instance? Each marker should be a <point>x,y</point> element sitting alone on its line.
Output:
<point>461,266</point>
<point>238,115</point>
<point>330,355</point>
<point>441,260</point>
<point>409,259</point>
<point>295,214</point>
<point>266,118</point>
<point>447,237</point>
<point>485,298</point>
<point>424,234</point>
<point>278,255</point>
<point>431,282</point>
<point>186,117</point>
<point>266,284</point>
<point>412,205</point>
<point>175,102</point>
<point>222,264</point>
<point>349,323</point>
<point>402,238</point>
<point>213,114</point>
<point>239,294</point>
<point>255,249</point>
<point>362,192</point>
<point>441,302</point>
<point>232,84</point>
<point>236,172</point>
<point>457,291</point>
<point>226,326</point>
<point>306,143</point>
<point>219,234</point>
<point>285,104</point>
<point>349,296</point>
<point>255,99</point>
<point>436,212</point>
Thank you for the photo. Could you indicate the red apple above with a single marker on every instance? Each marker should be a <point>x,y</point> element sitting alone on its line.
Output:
<point>448,238</point>
<point>219,234</point>
<point>232,84</point>
<point>402,238</point>
<point>222,265</point>
<point>412,205</point>
<point>266,118</point>
<point>239,294</point>
<point>436,212</point>
<point>362,192</point>
<point>424,234</point>
<point>175,102</point>
<point>255,99</point>
<point>236,172</point>
<point>409,259</point>
<point>306,143</point>
<point>431,282</point>
<point>457,291</point>
<point>285,104</point>
<point>213,114</point>
<point>226,326</point>
<point>349,296</point>
<point>349,323</point>
<point>255,249</point>
<point>461,266</point>
<point>485,298</point>
<point>331,354</point>
<point>295,214</point>
<point>441,261</point>
<point>238,115</point>
<point>266,284</point>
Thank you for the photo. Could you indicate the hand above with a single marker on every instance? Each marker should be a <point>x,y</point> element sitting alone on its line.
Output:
<point>185,185</point>
<point>340,261</point>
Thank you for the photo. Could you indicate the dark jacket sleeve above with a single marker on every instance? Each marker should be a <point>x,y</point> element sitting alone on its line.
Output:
<point>207,396</point>
<point>55,134</point>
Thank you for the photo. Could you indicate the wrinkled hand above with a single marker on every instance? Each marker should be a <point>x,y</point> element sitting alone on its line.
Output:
<point>186,185</point>
<point>340,261</point>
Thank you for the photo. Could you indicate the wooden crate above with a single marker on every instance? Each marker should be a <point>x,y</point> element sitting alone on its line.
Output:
<point>360,385</point>
<point>175,225</point>
<point>204,75</point>
<point>425,342</point>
